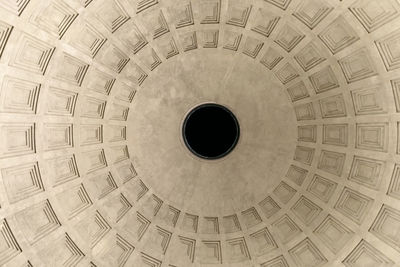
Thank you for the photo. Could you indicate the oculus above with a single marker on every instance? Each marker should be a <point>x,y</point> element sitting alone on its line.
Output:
<point>210,131</point>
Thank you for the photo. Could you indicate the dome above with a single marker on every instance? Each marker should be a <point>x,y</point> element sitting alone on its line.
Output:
<point>114,116</point>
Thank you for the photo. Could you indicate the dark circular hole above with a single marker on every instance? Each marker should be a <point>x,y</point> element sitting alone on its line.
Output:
<point>210,131</point>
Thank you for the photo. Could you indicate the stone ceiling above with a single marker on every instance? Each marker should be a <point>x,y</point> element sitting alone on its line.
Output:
<point>94,171</point>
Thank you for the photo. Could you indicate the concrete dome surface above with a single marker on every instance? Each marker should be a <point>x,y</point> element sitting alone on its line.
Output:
<point>94,169</point>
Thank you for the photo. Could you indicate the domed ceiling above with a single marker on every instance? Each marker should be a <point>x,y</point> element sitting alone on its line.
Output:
<point>94,169</point>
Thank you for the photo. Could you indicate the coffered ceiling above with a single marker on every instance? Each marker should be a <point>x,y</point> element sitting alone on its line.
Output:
<point>93,168</point>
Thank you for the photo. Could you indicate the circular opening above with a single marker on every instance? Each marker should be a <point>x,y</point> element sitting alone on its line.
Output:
<point>210,131</point>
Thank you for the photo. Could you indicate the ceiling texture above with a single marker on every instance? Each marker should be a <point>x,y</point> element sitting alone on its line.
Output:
<point>94,171</point>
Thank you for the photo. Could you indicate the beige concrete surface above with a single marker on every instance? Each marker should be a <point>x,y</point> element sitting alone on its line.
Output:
<point>93,168</point>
